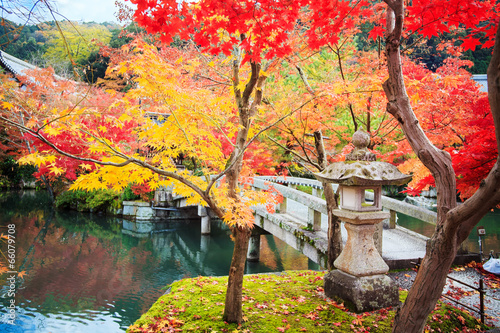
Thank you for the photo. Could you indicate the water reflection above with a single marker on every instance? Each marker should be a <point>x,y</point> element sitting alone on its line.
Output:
<point>87,273</point>
<point>491,241</point>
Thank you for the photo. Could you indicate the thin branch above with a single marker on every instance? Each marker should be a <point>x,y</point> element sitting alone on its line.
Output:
<point>303,159</point>
<point>210,79</point>
<point>250,141</point>
<point>207,60</point>
<point>303,76</point>
<point>128,160</point>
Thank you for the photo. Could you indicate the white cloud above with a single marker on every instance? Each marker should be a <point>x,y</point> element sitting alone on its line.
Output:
<point>87,10</point>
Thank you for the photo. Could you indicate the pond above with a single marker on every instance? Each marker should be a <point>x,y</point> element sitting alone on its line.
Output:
<point>490,241</point>
<point>85,273</point>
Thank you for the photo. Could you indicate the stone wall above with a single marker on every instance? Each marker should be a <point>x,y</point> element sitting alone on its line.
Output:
<point>138,210</point>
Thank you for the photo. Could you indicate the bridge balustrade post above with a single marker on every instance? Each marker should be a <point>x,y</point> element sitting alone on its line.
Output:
<point>313,216</point>
<point>282,208</point>
<point>205,220</point>
<point>393,219</point>
<point>253,253</point>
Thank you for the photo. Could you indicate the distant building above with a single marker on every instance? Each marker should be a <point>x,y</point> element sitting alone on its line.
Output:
<point>13,65</point>
<point>481,79</point>
<point>17,67</point>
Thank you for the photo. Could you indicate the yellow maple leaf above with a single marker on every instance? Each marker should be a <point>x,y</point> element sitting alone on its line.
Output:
<point>57,171</point>
<point>36,159</point>
<point>121,69</point>
<point>241,86</point>
<point>52,131</point>
<point>86,166</point>
<point>7,105</point>
<point>125,117</point>
<point>415,99</point>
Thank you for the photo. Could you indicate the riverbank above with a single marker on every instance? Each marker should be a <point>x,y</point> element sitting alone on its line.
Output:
<point>289,301</point>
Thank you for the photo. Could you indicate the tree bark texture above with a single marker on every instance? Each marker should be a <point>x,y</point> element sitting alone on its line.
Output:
<point>453,223</point>
<point>233,312</point>
<point>334,223</point>
<point>233,306</point>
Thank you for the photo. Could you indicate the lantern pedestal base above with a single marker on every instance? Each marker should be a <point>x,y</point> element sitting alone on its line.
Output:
<point>366,293</point>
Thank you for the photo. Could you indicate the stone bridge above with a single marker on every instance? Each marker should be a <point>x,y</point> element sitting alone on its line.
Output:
<point>301,222</point>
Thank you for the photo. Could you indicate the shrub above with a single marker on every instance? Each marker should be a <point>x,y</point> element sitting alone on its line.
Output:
<point>143,191</point>
<point>11,173</point>
<point>138,191</point>
<point>93,201</point>
<point>128,194</point>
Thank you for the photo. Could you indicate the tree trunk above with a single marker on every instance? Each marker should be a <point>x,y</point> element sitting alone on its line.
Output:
<point>241,237</point>
<point>453,223</point>
<point>334,234</point>
<point>233,306</point>
<point>334,223</point>
<point>233,312</point>
<point>428,285</point>
<point>48,186</point>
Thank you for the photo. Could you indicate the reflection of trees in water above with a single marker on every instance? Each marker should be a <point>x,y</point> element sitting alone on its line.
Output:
<point>278,256</point>
<point>24,203</point>
<point>70,266</point>
<point>101,227</point>
<point>74,261</point>
<point>78,261</point>
<point>211,255</point>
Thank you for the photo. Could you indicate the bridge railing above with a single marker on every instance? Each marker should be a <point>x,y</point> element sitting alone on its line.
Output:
<point>317,206</point>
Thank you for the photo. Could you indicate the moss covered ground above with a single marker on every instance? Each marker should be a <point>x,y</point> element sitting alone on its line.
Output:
<point>291,301</point>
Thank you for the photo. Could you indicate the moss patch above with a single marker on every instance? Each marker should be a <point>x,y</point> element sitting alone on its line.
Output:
<point>291,301</point>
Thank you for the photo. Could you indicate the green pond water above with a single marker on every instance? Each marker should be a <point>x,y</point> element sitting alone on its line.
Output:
<point>85,273</point>
<point>490,241</point>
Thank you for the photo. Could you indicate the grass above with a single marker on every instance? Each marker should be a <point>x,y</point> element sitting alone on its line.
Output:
<point>291,301</point>
<point>304,188</point>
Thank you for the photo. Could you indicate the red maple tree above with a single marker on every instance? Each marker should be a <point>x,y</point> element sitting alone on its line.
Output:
<point>217,26</point>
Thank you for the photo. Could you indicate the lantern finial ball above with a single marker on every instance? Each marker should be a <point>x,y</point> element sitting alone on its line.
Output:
<point>360,140</point>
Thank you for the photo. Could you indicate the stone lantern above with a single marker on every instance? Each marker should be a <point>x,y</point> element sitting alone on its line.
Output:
<point>360,276</point>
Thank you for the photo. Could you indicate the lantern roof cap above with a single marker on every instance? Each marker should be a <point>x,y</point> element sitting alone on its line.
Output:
<point>361,173</point>
<point>361,169</point>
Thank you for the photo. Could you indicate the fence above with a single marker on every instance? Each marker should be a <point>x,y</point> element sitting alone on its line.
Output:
<point>480,289</point>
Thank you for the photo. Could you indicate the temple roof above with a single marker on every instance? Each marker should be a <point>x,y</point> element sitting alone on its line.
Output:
<point>14,65</point>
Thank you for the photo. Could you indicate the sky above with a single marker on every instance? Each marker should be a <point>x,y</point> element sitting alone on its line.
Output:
<point>88,10</point>
<point>75,10</point>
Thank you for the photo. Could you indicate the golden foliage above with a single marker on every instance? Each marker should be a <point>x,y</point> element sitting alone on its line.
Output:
<point>418,171</point>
